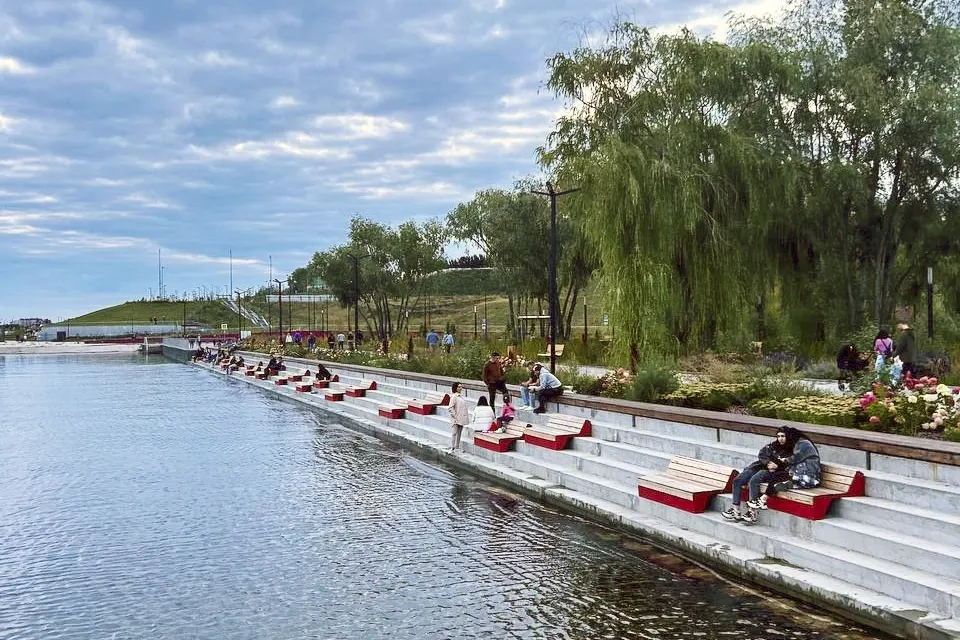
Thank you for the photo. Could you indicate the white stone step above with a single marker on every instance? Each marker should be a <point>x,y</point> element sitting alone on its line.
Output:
<point>905,518</point>
<point>919,553</point>
<point>925,494</point>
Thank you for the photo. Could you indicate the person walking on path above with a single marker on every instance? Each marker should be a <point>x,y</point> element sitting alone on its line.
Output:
<point>492,376</point>
<point>756,473</point>
<point>459,415</point>
<point>907,349</point>
<point>447,341</point>
<point>432,340</point>
<point>548,386</point>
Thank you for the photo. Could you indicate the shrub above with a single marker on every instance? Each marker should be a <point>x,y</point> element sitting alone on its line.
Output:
<point>587,385</point>
<point>822,370</point>
<point>837,411</point>
<point>652,383</point>
<point>716,396</point>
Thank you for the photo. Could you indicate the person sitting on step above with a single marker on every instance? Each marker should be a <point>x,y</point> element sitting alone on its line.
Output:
<point>506,415</point>
<point>548,386</point>
<point>483,416</point>
<point>323,373</point>
<point>801,469</point>
<point>756,473</point>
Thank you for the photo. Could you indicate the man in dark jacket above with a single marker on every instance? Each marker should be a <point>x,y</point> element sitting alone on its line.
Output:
<point>755,473</point>
<point>907,349</point>
<point>492,376</point>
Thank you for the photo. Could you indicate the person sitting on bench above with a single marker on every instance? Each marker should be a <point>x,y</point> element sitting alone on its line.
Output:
<point>507,414</point>
<point>273,364</point>
<point>323,373</point>
<point>548,386</point>
<point>800,470</point>
<point>756,473</point>
<point>849,363</point>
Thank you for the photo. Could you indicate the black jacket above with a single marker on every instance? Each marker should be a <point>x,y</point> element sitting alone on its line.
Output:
<point>769,453</point>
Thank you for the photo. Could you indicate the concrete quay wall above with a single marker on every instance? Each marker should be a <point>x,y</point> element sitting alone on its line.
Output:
<point>886,560</point>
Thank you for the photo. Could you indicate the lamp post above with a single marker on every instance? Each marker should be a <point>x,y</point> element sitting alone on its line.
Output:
<point>553,194</point>
<point>280,301</point>
<point>584,319</point>
<point>930,302</point>
<point>239,317</point>
<point>356,293</point>
<point>474,322</point>
<point>485,322</point>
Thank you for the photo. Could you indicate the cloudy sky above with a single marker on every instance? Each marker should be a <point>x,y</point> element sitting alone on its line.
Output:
<point>198,128</point>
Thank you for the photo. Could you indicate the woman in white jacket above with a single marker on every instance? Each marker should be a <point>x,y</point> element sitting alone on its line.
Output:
<point>483,415</point>
<point>459,415</point>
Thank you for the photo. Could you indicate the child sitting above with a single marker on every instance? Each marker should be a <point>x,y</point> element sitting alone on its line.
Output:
<point>506,415</point>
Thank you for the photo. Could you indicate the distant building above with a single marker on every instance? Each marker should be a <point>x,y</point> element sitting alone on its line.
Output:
<point>32,323</point>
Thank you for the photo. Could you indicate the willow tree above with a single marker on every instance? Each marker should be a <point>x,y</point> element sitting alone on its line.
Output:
<point>677,199</point>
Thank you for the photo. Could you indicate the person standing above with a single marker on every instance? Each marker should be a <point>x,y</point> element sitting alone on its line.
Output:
<point>907,348</point>
<point>459,415</point>
<point>447,341</point>
<point>492,376</point>
<point>341,340</point>
<point>548,386</point>
<point>331,341</point>
<point>432,339</point>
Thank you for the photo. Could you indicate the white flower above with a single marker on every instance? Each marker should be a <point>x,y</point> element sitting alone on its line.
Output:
<point>930,397</point>
<point>912,399</point>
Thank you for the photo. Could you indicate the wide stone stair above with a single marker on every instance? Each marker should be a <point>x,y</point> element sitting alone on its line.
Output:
<point>896,550</point>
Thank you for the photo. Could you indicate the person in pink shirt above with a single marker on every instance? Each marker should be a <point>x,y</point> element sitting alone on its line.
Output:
<point>507,414</point>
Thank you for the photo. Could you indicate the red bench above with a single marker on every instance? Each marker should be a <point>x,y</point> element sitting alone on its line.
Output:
<point>360,390</point>
<point>333,395</point>
<point>687,484</point>
<point>813,504</point>
<point>557,432</point>
<point>499,442</point>
<point>429,403</point>
<point>393,412</point>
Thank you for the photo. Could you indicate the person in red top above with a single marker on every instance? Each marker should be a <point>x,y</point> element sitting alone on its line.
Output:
<point>492,376</point>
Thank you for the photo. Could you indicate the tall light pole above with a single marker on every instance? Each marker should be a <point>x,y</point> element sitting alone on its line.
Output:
<point>280,301</point>
<point>930,302</point>
<point>239,317</point>
<point>474,322</point>
<point>553,194</point>
<point>356,294</point>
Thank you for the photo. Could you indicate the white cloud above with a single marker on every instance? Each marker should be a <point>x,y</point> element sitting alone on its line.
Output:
<point>281,102</point>
<point>295,144</point>
<point>148,201</point>
<point>26,197</point>
<point>14,66</point>
<point>6,123</point>
<point>354,126</point>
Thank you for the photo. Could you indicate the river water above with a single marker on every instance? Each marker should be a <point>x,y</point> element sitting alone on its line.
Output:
<point>146,499</point>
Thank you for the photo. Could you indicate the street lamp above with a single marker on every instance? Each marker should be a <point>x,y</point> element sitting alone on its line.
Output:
<point>930,302</point>
<point>474,322</point>
<point>356,293</point>
<point>280,301</point>
<point>239,316</point>
<point>553,194</point>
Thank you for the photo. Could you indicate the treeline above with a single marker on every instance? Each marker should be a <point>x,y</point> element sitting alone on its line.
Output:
<point>798,179</point>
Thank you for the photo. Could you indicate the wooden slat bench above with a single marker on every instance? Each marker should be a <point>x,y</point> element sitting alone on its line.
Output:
<point>559,350</point>
<point>499,442</point>
<point>391,411</point>
<point>429,403</point>
<point>360,390</point>
<point>557,432</point>
<point>687,484</point>
<point>813,504</point>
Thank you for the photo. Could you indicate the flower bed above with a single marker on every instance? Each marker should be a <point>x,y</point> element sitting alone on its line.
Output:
<point>836,411</point>
<point>920,405</point>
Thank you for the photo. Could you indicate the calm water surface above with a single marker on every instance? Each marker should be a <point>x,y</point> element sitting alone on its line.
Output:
<point>155,500</point>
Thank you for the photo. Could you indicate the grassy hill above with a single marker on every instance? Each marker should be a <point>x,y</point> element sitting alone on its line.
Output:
<point>457,311</point>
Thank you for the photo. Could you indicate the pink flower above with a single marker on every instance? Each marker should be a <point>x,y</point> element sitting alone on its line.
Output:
<point>874,419</point>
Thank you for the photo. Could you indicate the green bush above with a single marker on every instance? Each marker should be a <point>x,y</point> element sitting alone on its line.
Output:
<point>837,411</point>
<point>652,383</point>
<point>822,370</point>
<point>587,385</point>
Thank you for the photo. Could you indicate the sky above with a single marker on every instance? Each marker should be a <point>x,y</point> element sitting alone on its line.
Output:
<point>149,138</point>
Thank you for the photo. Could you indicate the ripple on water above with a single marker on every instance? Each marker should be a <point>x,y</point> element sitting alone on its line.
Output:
<point>155,500</point>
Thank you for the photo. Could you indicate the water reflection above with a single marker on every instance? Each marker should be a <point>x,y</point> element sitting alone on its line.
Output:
<point>164,502</point>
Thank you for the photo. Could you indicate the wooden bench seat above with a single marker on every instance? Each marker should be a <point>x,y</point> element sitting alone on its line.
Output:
<point>429,403</point>
<point>559,350</point>
<point>391,411</point>
<point>688,484</point>
<point>499,442</point>
<point>813,504</point>
<point>558,431</point>
<point>360,390</point>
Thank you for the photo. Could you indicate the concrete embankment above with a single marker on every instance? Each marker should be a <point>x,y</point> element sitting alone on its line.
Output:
<point>63,348</point>
<point>890,559</point>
